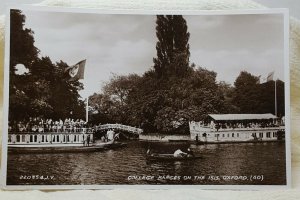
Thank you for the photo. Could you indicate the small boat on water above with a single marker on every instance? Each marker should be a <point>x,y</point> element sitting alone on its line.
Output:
<point>170,157</point>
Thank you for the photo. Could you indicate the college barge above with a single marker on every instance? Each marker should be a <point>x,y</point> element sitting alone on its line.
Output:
<point>227,128</point>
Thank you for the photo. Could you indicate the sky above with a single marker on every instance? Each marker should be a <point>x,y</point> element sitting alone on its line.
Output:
<point>124,44</point>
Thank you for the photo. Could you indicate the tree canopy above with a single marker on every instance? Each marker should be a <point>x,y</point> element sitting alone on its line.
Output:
<point>172,46</point>
<point>42,91</point>
<point>164,99</point>
<point>252,97</point>
<point>175,91</point>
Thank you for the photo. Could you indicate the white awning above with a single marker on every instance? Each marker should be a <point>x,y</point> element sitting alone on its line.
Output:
<point>231,117</point>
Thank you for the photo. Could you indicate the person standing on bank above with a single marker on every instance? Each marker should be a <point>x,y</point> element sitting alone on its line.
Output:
<point>88,140</point>
<point>84,138</point>
<point>110,135</point>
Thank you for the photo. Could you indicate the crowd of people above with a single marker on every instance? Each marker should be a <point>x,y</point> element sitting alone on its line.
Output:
<point>243,125</point>
<point>237,125</point>
<point>47,125</point>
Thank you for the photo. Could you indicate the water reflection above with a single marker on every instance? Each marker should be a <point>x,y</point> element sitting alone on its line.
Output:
<point>115,166</point>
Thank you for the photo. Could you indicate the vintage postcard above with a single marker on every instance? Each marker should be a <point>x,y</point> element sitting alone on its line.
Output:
<point>106,99</point>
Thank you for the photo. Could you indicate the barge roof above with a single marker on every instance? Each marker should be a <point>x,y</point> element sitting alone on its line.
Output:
<point>233,117</point>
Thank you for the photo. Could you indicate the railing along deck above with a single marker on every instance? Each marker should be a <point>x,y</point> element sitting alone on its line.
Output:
<point>54,130</point>
<point>120,127</point>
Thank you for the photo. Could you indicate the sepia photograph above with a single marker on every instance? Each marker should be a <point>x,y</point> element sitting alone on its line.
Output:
<point>108,99</point>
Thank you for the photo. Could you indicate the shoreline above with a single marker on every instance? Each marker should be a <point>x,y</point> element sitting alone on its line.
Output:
<point>187,138</point>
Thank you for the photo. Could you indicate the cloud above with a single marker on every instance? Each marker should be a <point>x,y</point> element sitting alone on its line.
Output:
<point>125,44</point>
<point>231,32</point>
<point>229,64</point>
<point>229,44</point>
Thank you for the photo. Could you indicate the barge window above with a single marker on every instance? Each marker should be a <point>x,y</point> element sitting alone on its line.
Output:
<point>268,135</point>
<point>23,138</point>
<point>232,134</point>
<point>18,138</point>
<point>261,135</point>
<point>223,135</point>
<point>274,134</point>
<point>237,135</point>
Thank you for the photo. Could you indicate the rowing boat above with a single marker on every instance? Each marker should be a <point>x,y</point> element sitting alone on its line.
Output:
<point>170,157</point>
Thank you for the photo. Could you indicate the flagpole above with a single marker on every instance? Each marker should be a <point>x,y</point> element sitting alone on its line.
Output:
<point>87,103</point>
<point>87,110</point>
<point>275,99</point>
<point>85,82</point>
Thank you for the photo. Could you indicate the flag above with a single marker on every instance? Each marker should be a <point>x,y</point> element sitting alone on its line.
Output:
<point>76,71</point>
<point>270,77</point>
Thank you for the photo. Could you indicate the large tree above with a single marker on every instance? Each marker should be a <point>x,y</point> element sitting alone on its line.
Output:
<point>246,96</point>
<point>40,90</point>
<point>22,48</point>
<point>251,96</point>
<point>166,97</point>
<point>22,52</point>
<point>172,46</point>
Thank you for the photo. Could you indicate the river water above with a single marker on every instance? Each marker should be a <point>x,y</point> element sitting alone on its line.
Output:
<point>229,164</point>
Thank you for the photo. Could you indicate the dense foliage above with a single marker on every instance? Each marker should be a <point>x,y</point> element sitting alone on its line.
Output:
<point>174,91</point>
<point>251,97</point>
<point>42,90</point>
<point>164,99</point>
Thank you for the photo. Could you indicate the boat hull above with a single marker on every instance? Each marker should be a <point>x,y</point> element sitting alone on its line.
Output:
<point>63,149</point>
<point>237,142</point>
<point>57,149</point>
<point>170,157</point>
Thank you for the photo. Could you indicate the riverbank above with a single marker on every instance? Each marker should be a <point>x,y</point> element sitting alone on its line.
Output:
<point>187,138</point>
